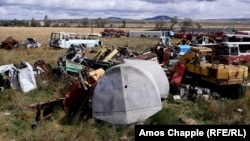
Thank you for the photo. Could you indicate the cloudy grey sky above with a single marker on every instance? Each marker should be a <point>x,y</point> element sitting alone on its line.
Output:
<point>128,9</point>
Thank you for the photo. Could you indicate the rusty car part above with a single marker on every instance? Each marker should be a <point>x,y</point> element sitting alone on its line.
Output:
<point>43,69</point>
<point>42,104</point>
<point>10,43</point>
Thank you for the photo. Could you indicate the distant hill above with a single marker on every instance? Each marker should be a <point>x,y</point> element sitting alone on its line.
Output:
<point>115,19</point>
<point>152,18</point>
<point>159,18</point>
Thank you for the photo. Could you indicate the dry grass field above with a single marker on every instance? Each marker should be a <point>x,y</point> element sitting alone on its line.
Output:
<point>16,117</point>
<point>49,54</point>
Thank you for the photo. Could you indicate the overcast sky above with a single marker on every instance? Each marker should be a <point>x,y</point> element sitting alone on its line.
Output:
<point>127,9</point>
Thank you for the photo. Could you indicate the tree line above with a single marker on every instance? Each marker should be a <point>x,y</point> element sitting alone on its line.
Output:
<point>98,23</point>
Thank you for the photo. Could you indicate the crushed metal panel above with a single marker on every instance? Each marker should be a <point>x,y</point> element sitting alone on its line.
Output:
<point>5,68</point>
<point>73,67</point>
<point>31,42</point>
<point>12,75</point>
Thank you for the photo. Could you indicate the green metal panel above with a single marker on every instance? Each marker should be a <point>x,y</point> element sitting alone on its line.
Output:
<point>73,67</point>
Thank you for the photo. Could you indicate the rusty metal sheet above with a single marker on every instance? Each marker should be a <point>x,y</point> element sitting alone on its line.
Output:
<point>146,56</point>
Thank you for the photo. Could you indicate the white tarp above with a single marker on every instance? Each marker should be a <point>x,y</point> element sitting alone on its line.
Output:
<point>157,72</point>
<point>125,94</point>
<point>26,78</point>
<point>20,78</point>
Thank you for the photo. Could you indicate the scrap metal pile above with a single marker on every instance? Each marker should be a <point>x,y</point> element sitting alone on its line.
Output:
<point>11,43</point>
<point>31,42</point>
<point>113,86</point>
